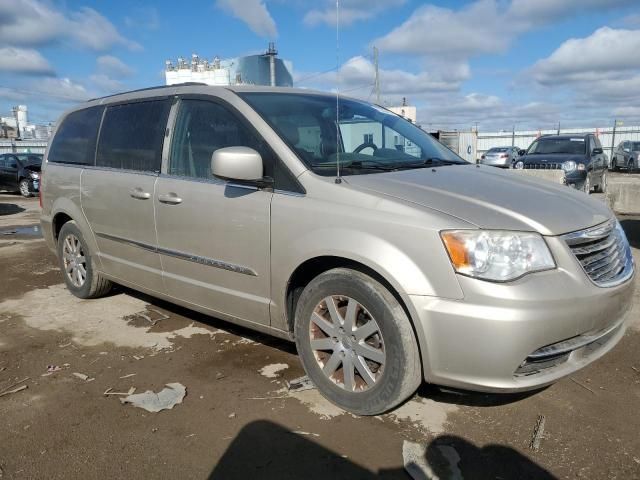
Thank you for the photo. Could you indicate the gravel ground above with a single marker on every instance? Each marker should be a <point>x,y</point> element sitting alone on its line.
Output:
<point>238,419</point>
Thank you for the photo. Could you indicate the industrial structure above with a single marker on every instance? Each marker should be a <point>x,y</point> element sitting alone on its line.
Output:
<point>262,69</point>
<point>17,126</point>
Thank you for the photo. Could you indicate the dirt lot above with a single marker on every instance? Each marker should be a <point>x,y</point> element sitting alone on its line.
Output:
<point>238,419</point>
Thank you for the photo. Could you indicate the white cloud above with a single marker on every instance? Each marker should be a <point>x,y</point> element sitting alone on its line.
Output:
<point>356,78</point>
<point>252,12</point>
<point>105,83</point>
<point>63,89</point>
<point>605,51</point>
<point>23,60</point>
<point>36,22</point>
<point>481,27</point>
<point>113,66</point>
<point>350,11</point>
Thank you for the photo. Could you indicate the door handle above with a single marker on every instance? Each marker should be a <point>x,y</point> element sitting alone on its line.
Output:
<point>139,194</point>
<point>170,198</point>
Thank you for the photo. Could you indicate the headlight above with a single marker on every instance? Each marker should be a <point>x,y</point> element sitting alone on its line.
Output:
<point>496,255</point>
<point>569,166</point>
<point>581,166</point>
<point>519,165</point>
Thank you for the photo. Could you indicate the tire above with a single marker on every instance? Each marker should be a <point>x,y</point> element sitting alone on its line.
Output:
<point>375,386</point>
<point>75,257</point>
<point>614,165</point>
<point>586,186</point>
<point>23,187</point>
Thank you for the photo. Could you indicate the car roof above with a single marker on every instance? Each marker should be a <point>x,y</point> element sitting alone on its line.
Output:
<point>564,137</point>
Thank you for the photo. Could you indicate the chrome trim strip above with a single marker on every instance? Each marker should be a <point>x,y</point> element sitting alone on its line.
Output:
<point>211,262</point>
<point>568,346</point>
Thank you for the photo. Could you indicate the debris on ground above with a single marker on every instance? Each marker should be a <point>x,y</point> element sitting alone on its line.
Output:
<point>155,402</point>
<point>635,369</point>
<point>538,433</point>
<point>128,375</point>
<point>53,369</point>
<point>232,415</point>
<point>271,371</point>
<point>300,384</point>
<point>15,390</point>
<point>220,376</point>
<point>582,385</point>
<point>300,432</point>
<point>109,392</point>
<point>138,357</point>
<point>6,391</point>
<point>84,377</point>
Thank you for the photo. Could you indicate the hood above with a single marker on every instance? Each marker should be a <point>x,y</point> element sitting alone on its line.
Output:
<point>553,158</point>
<point>490,198</point>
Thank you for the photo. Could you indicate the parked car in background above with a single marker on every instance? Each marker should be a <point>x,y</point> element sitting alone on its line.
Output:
<point>499,156</point>
<point>21,172</point>
<point>580,156</point>
<point>625,156</point>
<point>387,258</point>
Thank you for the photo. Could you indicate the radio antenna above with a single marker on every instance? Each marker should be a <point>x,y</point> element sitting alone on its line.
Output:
<point>338,178</point>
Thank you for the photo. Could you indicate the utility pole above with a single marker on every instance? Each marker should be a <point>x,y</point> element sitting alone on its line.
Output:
<point>613,136</point>
<point>513,135</point>
<point>558,127</point>
<point>377,77</point>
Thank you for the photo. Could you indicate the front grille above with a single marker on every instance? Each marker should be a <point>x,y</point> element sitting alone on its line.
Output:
<point>603,252</point>
<point>543,166</point>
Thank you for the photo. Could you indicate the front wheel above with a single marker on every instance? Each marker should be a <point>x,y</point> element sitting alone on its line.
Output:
<point>356,342</point>
<point>23,186</point>
<point>602,188</point>
<point>614,165</point>
<point>586,186</point>
<point>77,264</point>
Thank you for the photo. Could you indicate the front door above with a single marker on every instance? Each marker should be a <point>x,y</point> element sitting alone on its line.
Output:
<point>213,236</point>
<point>117,194</point>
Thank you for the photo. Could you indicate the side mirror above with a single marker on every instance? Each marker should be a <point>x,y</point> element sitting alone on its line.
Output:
<point>596,151</point>
<point>521,152</point>
<point>237,163</point>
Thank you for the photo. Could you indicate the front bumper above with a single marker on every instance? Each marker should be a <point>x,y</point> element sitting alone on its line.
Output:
<point>575,178</point>
<point>502,162</point>
<point>489,340</point>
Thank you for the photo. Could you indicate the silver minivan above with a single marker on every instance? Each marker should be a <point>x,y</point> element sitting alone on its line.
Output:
<point>341,226</point>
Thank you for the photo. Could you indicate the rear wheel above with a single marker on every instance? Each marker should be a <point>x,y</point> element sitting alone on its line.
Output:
<point>24,188</point>
<point>77,264</point>
<point>356,342</point>
<point>614,164</point>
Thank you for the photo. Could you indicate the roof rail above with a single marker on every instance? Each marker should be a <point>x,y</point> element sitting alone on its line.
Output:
<point>185,84</point>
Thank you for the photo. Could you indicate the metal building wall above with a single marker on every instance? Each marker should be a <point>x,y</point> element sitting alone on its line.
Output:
<point>523,139</point>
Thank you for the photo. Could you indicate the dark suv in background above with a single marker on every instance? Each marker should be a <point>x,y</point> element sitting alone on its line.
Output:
<point>20,171</point>
<point>580,156</point>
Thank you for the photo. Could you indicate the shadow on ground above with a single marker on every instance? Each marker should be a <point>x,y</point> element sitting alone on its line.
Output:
<point>10,209</point>
<point>266,450</point>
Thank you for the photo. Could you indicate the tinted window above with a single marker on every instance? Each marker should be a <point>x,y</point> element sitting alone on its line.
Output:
<point>497,150</point>
<point>202,127</point>
<point>75,140</point>
<point>576,146</point>
<point>131,136</point>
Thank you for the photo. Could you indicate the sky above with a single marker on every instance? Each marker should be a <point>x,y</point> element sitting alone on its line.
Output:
<point>490,64</point>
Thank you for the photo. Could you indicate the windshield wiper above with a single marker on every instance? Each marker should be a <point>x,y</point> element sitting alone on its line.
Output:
<point>370,165</point>
<point>429,162</point>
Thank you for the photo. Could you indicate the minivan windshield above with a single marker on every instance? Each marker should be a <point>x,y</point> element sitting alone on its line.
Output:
<point>369,139</point>
<point>575,146</point>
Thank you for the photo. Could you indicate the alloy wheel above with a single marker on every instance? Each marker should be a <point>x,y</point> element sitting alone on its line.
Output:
<point>24,188</point>
<point>347,343</point>
<point>75,265</point>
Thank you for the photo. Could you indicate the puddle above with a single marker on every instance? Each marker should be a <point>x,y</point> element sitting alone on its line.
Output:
<point>27,231</point>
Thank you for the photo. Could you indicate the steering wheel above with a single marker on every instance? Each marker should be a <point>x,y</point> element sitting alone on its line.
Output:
<point>364,145</point>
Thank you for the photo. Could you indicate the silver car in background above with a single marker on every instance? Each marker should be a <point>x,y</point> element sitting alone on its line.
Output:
<point>500,156</point>
<point>387,258</point>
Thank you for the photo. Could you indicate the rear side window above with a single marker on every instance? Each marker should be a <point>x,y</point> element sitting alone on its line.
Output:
<point>131,136</point>
<point>75,140</point>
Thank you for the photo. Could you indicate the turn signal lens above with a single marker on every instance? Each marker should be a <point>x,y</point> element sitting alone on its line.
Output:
<point>457,250</point>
